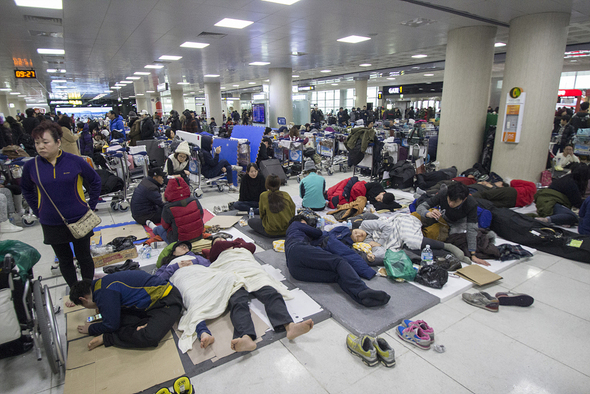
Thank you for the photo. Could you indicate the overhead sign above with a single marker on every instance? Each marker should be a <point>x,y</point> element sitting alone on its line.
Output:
<point>305,88</point>
<point>569,92</point>
<point>25,74</point>
<point>395,90</point>
<point>161,87</point>
<point>282,120</point>
<point>513,115</point>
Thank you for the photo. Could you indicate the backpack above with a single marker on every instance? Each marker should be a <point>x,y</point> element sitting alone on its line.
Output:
<point>402,175</point>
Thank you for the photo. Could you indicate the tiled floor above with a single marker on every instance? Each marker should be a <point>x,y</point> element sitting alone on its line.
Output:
<point>541,349</point>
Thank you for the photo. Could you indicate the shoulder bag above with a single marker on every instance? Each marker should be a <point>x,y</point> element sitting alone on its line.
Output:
<point>84,225</point>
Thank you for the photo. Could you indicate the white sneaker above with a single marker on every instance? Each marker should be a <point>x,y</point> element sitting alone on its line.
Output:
<point>7,227</point>
<point>232,188</point>
<point>237,168</point>
<point>150,224</point>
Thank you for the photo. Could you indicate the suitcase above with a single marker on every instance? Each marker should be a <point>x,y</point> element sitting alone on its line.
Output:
<point>273,166</point>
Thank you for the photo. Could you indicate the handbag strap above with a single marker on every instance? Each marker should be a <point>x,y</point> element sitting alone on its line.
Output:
<point>47,194</point>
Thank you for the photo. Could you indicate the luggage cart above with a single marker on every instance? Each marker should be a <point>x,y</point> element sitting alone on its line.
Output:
<point>328,149</point>
<point>117,163</point>
<point>197,180</point>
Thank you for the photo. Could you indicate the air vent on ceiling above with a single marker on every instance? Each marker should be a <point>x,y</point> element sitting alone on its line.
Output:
<point>211,35</point>
<point>43,19</point>
<point>39,33</point>
<point>417,22</point>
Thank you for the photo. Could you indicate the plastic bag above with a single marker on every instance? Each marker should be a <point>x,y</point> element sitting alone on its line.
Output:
<point>122,243</point>
<point>25,256</point>
<point>398,265</point>
<point>432,275</point>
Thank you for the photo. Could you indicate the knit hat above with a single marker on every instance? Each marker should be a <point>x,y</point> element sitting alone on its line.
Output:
<point>132,113</point>
<point>143,112</point>
<point>183,148</point>
<point>156,172</point>
<point>388,198</point>
<point>309,166</point>
<point>188,244</point>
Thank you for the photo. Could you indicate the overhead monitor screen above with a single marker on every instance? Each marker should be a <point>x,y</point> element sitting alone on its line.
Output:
<point>258,113</point>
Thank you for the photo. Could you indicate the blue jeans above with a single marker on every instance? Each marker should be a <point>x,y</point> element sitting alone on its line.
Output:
<point>246,205</point>
<point>161,231</point>
<point>562,215</point>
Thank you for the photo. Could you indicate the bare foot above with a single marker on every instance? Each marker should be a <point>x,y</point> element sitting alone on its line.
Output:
<point>70,304</point>
<point>296,329</point>
<point>544,220</point>
<point>96,342</point>
<point>141,327</point>
<point>206,340</point>
<point>243,344</point>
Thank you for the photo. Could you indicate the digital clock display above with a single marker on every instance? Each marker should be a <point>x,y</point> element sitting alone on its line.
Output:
<point>25,74</point>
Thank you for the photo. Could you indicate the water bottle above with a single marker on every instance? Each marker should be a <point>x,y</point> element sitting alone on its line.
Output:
<point>322,223</point>
<point>251,213</point>
<point>349,224</point>
<point>148,252</point>
<point>426,256</point>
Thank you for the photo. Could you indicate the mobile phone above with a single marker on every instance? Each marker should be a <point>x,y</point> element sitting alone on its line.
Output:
<point>95,318</point>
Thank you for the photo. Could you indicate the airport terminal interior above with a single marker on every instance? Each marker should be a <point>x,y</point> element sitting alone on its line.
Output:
<point>437,85</point>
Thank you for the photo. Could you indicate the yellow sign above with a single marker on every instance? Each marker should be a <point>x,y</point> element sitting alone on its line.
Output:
<point>515,92</point>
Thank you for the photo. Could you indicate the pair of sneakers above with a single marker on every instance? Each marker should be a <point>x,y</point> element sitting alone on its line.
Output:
<point>182,385</point>
<point>417,332</point>
<point>371,350</point>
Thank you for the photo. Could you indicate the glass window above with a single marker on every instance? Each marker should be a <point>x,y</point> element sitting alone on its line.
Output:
<point>568,80</point>
<point>582,80</point>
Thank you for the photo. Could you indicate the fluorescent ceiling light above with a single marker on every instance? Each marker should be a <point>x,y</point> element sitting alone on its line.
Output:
<point>294,76</point>
<point>259,63</point>
<point>50,51</point>
<point>50,4</point>
<point>150,91</point>
<point>108,91</point>
<point>251,83</point>
<point>139,94</point>
<point>133,78</point>
<point>233,23</point>
<point>353,39</point>
<point>211,75</point>
<point>125,82</point>
<point>334,84</point>
<point>5,90</point>
<point>60,87</point>
<point>183,83</point>
<point>22,95</point>
<point>52,70</point>
<point>236,86</point>
<point>391,78</point>
<point>223,87</point>
<point>62,70</point>
<point>158,66</point>
<point>326,71</point>
<point>141,73</point>
<point>14,93</point>
<point>167,57</point>
<point>59,80</point>
<point>285,2</point>
<point>197,45</point>
<point>500,44</point>
<point>419,56</point>
<point>429,75</point>
<point>365,65</point>
<point>191,92</point>
<point>116,87</point>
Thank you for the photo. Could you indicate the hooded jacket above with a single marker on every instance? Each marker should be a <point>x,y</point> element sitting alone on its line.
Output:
<point>117,124</point>
<point>68,141</point>
<point>173,166</point>
<point>86,145</point>
<point>182,216</point>
<point>174,121</point>
<point>146,198</point>
<point>147,128</point>
<point>135,131</point>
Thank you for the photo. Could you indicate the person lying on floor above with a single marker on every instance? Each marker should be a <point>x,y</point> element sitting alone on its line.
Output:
<point>137,309</point>
<point>310,263</point>
<point>403,231</point>
<point>349,189</point>
<point>459,210</point>
<point>236,274</point>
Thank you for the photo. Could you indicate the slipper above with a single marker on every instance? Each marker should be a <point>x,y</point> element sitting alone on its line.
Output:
<point>183,386</point>
<point>514,299</point>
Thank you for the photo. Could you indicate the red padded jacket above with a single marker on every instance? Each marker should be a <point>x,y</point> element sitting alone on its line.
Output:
<point>182,216</point>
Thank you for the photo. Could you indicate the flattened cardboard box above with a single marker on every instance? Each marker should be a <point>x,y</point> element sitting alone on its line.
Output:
<point>478,275</point>
<point>115,257</point>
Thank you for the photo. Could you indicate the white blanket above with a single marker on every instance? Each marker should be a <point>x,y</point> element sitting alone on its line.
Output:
<point>206,290</point>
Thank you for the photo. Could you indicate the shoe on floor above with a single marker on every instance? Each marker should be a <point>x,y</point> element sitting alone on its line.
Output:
<point>362,347</point>
<point>232,188</point>
<point>414,335</point>
<point>7,227</point>
<point>515,299</point>
<point>230,205</point>
<point>164,390</point>
<point>150,224</point>
<point>385,353</point>
<point>422,324</point>
<point>237,168</point>
<point>482,300</point>
<point>183,386</point>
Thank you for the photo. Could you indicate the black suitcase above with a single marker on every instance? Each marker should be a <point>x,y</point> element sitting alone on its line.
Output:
<point>273,166</point>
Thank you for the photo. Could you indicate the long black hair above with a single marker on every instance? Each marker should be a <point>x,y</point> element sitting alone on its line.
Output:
<point>580,176</point>
<point>276,201</point>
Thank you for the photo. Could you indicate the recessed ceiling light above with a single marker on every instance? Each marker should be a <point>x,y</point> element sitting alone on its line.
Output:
<point>50,51</point>
<point>294,76</point>
<point>365,65</point>
<point>419,56</point>
<point>15,93</point>
<point>259,63</point>
<point>198,45</point>
<point>429,75</point>
<point>251,83</point>
<point>326,71</point>
<point>133,78</point>
<point>108,91</point>
<point>62,70</point>
<point>183,83</point>
<point>141,73</point>
<point>116,87</point>
<point>150,91</point>
<point>353,39</point>
<point>125,82</point>
<point>59,80</point>
<point>223,87</point>
<point>285,2</point>
<point>5,90</point>
<point>211,75</point>
<point>236,86</point>
<point>139,94</point>
<point>391,78</point>
<point>191,92</point>
<point>267,80</point>
<point>52,70</point>
<point>50,4</point>
<point>500,44</point>
<point>22,95</point>
<point>158,66</point>
<point>334,84</point>
<point>166,57</point>
<point>233,23</point>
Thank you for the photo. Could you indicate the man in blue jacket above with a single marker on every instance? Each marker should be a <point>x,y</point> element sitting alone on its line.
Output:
<point>147,203</point>
<point>138,309</point>
<point>117,126</point>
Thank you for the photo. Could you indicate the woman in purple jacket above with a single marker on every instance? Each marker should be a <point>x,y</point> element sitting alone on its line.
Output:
<point>61,175</point>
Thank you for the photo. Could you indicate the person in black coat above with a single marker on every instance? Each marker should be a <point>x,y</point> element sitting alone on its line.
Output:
<point>30,122</point>
<point>380,199</point>
<point>265,151</point>
<point>252,186</point>
<point>146,126</point>
<point>212,166</point>
<point>147,203</point>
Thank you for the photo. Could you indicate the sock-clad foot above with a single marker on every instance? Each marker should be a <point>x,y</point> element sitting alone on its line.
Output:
<point>243,344</point>
<point>296,329</point>
<point>370,297</point>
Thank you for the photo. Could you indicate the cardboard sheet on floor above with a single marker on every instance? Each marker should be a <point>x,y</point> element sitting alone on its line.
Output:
<point>478,275</point>
<point>108,234</point>
<point>75,319</point>
<point>406,300</point>
<point>120,370</point>
<point>223,221</point>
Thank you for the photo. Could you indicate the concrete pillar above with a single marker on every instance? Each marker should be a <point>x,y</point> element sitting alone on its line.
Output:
<point>343,98</point>
<point>177,100</point>
<point>4,105</point>
<point>213,101</point>
<point>280,95</point>
<point>534,61</point>
<point>140,96</point>
<point>360,88</point>
<point>466,93</point>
